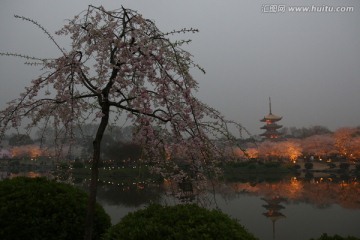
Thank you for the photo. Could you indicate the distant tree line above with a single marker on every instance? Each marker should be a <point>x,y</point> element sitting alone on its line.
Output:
<point>315,142</point>
<point>293,132</point>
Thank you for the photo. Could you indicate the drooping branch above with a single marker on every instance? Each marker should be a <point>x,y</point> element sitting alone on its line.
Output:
<point>43,29</point>
<point>122,66</point>
<point>23,56</point>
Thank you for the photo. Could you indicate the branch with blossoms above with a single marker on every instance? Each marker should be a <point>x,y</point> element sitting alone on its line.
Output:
<point>120,65</point>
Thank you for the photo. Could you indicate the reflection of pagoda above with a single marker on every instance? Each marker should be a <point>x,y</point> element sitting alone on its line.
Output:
<point>273,208</point>
<point>271,126</point>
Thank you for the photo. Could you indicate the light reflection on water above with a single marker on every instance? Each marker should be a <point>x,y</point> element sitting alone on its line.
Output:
<point>301,209</point>
<point>289,209</point>
<point>301,221</point>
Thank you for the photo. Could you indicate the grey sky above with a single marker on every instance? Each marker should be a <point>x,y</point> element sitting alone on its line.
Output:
<point>309,63</point>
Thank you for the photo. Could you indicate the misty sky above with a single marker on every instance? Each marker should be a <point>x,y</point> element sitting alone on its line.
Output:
<point>308,63</point>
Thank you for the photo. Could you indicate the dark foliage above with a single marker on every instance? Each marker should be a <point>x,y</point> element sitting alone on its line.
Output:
<point>357,167</point>
<point>41,209</point>
<point>20,139</point>
<point>177,222</point>
<point>332,165</point>
<point>123,153</point>
<point>335,237</point>
<point>344,166</point>
<point>304,132</point>
<point>308,165</point>
<point>296,167</point>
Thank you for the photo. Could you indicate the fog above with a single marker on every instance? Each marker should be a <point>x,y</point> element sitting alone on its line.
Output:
<point>307,62</point>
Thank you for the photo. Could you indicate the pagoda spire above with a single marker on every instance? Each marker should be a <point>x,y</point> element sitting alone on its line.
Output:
<point>270,106</point>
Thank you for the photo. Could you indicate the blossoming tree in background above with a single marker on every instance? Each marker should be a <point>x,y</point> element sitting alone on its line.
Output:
<point>291,150</point>
<point>347,143</point>
<point>119,67</point>
<point>320,146</point>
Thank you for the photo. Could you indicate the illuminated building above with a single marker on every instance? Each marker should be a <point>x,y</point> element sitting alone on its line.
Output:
<point>271,126</point>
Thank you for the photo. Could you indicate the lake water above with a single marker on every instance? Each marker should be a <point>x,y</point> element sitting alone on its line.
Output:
<point>291,209</point>
<point>288,209</point>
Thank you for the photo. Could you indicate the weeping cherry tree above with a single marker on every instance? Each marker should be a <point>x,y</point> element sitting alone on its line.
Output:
<point>121,67</point>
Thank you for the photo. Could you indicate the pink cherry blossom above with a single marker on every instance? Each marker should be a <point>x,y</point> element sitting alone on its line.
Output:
<point>121,64</point>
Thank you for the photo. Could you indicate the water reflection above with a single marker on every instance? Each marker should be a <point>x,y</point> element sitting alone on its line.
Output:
<point>295,208</point>
<point>273,208</point>
<point>321,192</point>
<point>129,197</point>
<point>298,208</point>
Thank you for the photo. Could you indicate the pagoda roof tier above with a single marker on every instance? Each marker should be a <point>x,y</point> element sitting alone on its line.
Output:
<point>274,200</point>
<point>271,126</point>
<point>271,117</point>
<point>273,207</point>
<point>274,215</point>
<point>270,133</point>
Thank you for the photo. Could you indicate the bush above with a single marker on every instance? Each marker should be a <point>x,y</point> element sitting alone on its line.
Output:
<point>41,209</point>
<point>293,166</point>
<point>332,165</point>
<point>344,166</point>
<point>177,222</point>
<point>297,166</point>
<point>272,164</point>
<point>78,164</point>
<point>357,167</point>
<point>252,166</point>
<point>335,237</point>
<point>308,165</point>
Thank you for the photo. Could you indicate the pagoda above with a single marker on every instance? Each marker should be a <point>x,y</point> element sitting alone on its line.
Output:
<point>273,208</point>
<point>270,125</point>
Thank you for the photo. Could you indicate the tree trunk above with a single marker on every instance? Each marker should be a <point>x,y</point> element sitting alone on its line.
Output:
<point>89,221</point>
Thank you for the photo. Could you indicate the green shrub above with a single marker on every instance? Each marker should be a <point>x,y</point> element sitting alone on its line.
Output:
<point>297,166</point>
<point>335,237</point>
<point>252,166</point>
<point>344,166</point>
<point>308,165</point>
<point>357,167</point>
<point>332,165</point>
<point>78,164</point>
<point>177,222</point>
<point>272,164</point>
<point>41,209</point>
<point>292,166</point>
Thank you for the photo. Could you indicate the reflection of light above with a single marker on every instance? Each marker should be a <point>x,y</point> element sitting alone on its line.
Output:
<point>32,151</point>
<point>343,184</point>
<point>294,188</point>
<point>167,182</point>
<point>328,191</point>
<point>33,174</point>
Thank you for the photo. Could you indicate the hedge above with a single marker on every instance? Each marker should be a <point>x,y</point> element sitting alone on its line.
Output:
<point>42,209</point>
<point>335,237</point>
<point>177,222</point>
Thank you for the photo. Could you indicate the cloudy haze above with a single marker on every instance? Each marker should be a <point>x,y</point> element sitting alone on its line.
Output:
<point>308,63</point>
